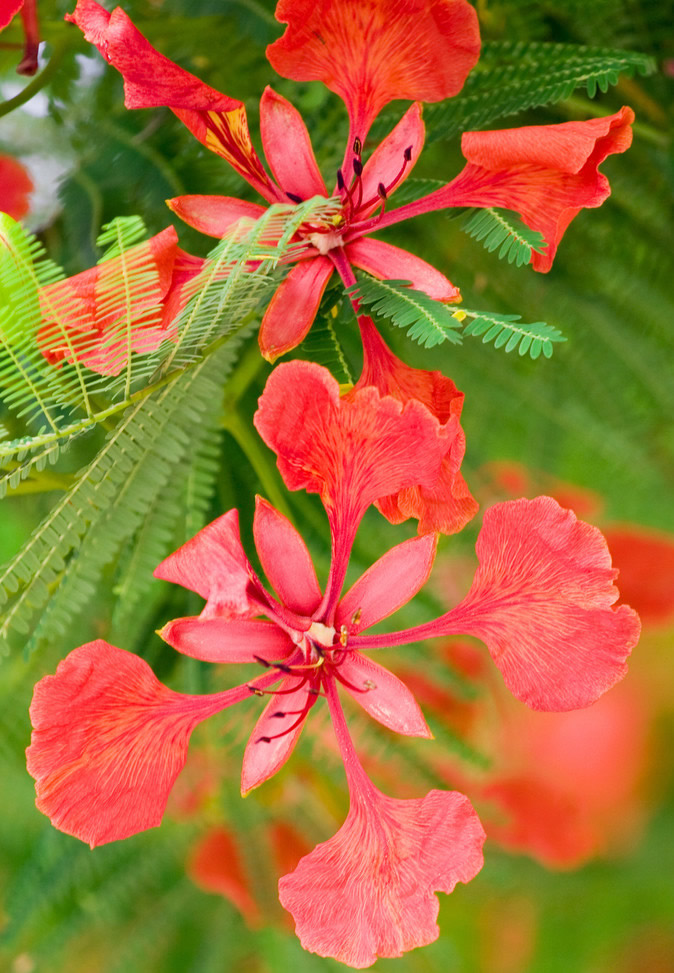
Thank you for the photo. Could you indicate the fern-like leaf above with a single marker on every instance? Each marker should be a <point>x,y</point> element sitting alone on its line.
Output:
<point>515,241</point>
<point>505,330</point>
<point>512,77</point>
<point>427,321</point>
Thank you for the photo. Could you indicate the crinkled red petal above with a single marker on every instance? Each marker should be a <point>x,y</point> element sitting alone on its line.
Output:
<point>373,53</point>
<point>368,892</point>
<point>108,742</point>
<point>542,602</point>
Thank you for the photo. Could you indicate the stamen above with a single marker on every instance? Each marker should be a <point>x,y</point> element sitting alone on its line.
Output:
<point>408,154</point>
<point>254,690</point>
<point>281,666</point>
<point>343,636</point>
<point>358,167</point>
<point>368,685</point>
<point>341,185</point>
<point>357,146</point>
<point>357,615</point>
<point>310,702</point>
<point>295,198</point>
<point>381,189</point>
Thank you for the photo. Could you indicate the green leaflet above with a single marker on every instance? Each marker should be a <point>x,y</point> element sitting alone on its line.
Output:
<point>505,330</point>
<point>427,321</point>
<point>515,240</point>
<point>431,323</point>
<point>59,567</point>
<point>514,76</point>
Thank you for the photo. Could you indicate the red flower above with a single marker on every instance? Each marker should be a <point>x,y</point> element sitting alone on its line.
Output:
<point>86,316</point>
<point>368,55</point>
<point>541,600</point>
<point>15,188</point>
<point>28,8</point>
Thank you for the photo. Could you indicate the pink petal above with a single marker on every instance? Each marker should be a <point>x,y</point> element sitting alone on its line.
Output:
<point>108,742</point>
<point>15,187</point>
<point>387,262</point>
<point>285,559</point>
<point>287,147</point>
<point>445,505</point>
<point>219,640</point>
<point>368,891</point>
<point>214,215</point>
<point>152,80</point>
<point>369,55</point>
<point>389,584</point>
<point>541,601</point>
<point>293,307</point>
<point>386,162</point>
<point>382,695</point>
<point>350,450</point>
<point>213,564</point>
<point>264,757</point>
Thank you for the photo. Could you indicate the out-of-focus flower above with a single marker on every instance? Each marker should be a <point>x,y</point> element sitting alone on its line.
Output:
<point>368,55</point>
<point>88,317</point>
<point>28,8</point>
<point>15,188</point>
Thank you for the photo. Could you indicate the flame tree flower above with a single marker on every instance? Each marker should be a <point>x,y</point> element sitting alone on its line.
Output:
<point>367,54</point>
<point>15,188</point>
<point>541,600</point>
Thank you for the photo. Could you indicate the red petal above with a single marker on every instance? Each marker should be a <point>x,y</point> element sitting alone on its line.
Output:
<point>152,80</point>
<point>293,307</point>
<point>8,10</point>
<point>370,54</point>
<point>15,187</point>
<point>86,316</point>
<point>213,564</point>
<point>285,559</point>
<point>546,173</point>
<point>541,601</point>
<point>382,695</point>
<point>219,640</point>
<point>108,742</point>
<point>389,584</point>
<point>263,759</point>
<point>350,450</point>
<point>287,147</point>
<point>445,505</point>
<point>214,215</point>
<point>368,891</point>
<point>215,865</point>
<point>387,262</point>
<point>645,559</point>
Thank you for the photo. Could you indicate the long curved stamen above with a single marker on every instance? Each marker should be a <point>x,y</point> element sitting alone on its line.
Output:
<point>311,699</point>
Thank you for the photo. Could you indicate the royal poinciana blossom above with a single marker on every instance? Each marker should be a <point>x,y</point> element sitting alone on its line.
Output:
<point>541,600</point>
<point>122,306</point>
<point>369,54</point>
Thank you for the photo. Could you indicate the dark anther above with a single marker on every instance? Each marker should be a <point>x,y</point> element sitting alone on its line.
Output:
<point>282,667</point>
<point>340,180</point>
<point>381,189</point>
<point>357,146</point>
<point>313,692</point>
<point>263,662</point>
<point>358,167</point>
<point>295,198</point>
<point>263,740</point>
<point>408,154</point>
<point>254,690</point>
<point>279,715</point>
